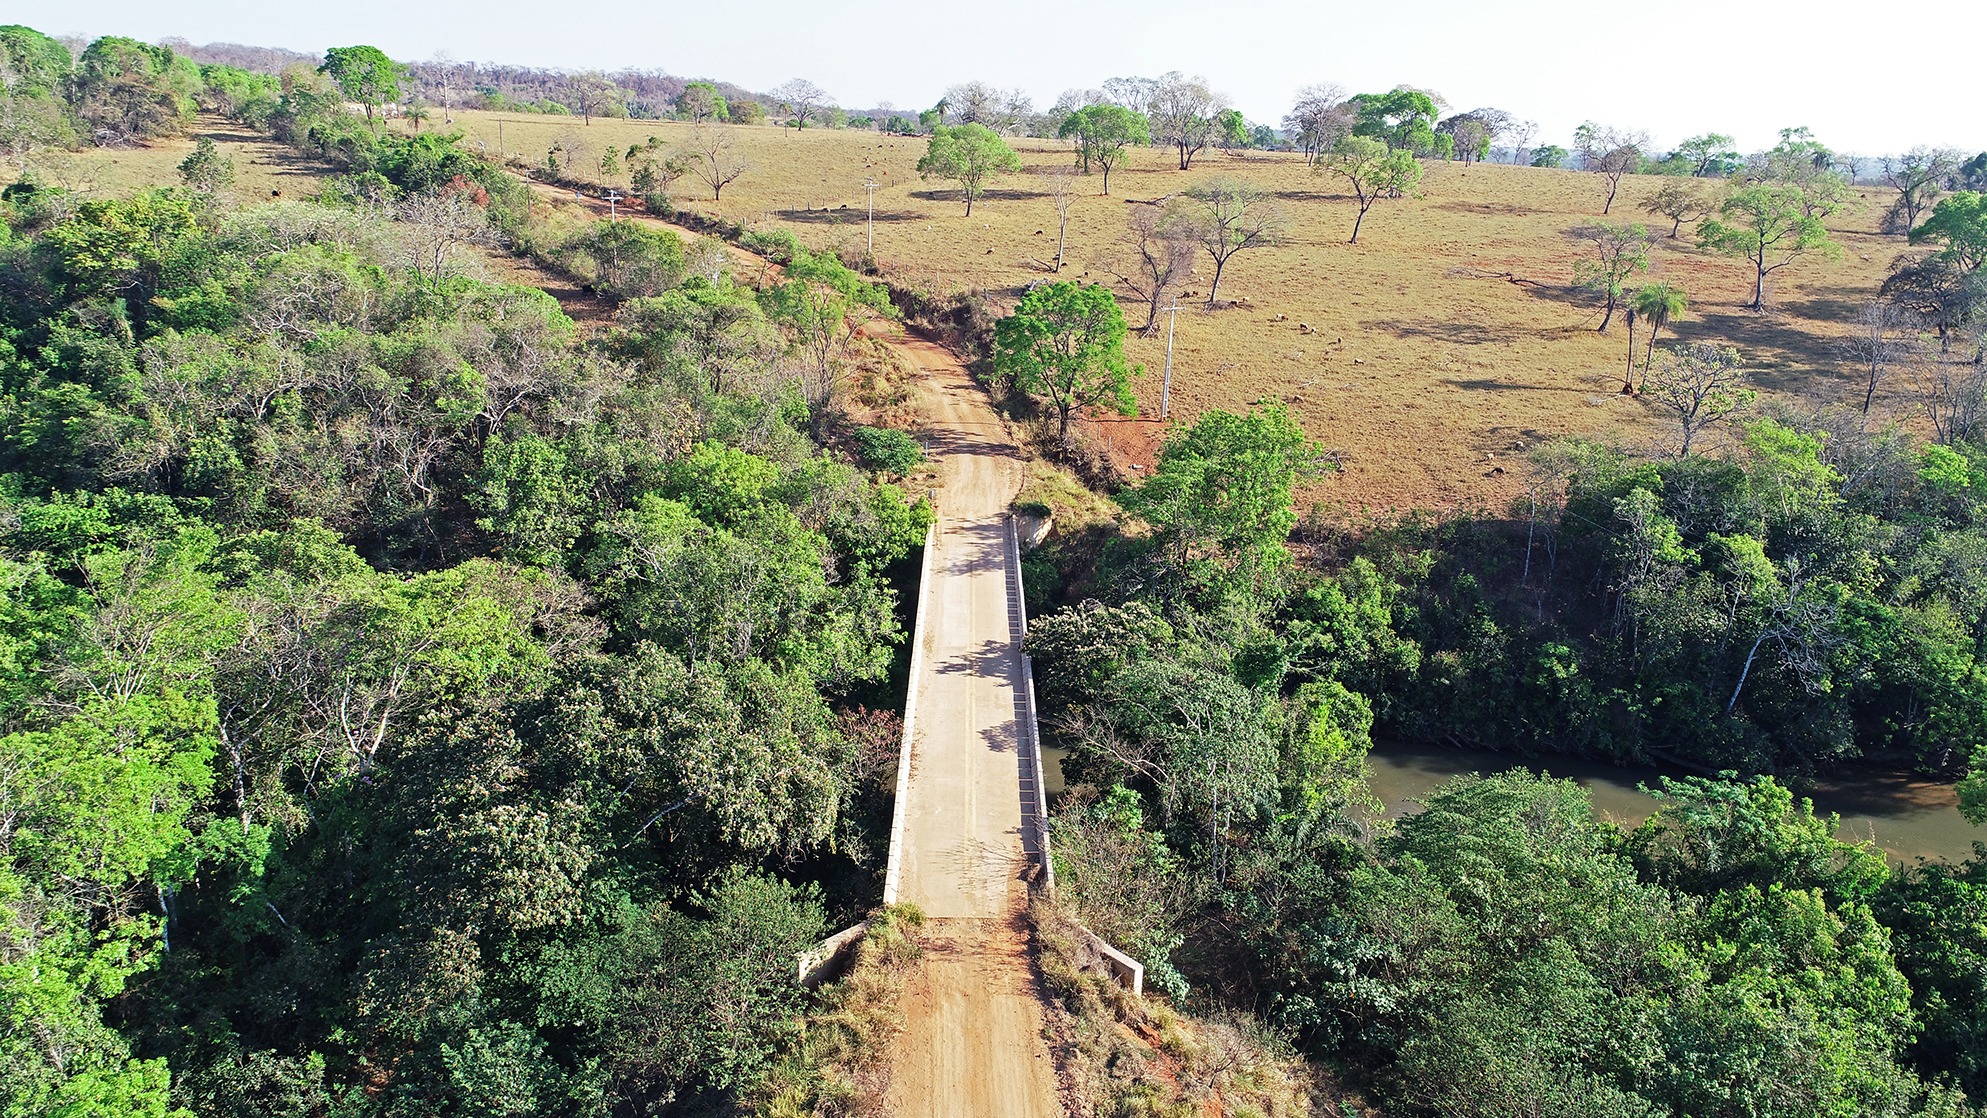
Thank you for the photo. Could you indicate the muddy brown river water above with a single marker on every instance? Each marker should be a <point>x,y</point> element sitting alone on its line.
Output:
<point>1907,816</point>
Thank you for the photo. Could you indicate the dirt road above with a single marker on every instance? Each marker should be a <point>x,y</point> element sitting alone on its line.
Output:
<point>972,1046</point>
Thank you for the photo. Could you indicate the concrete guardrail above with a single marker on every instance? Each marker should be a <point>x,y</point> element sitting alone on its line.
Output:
<point>1128,972</point>
<point>827,959</point>
<point>1039,802</point>
<point>893,871</point>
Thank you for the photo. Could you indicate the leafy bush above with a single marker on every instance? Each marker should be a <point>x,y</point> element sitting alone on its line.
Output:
<point>892,452</point>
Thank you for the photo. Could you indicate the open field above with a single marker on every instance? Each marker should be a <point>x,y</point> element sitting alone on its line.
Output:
<point>1426,369</point>
<point>263,167</point>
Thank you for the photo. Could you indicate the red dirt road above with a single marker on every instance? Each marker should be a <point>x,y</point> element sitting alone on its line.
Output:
<point>972,1046</point>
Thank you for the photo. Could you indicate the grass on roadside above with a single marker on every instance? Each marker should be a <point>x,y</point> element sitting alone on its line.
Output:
<point>1123,1057</point>
<point>837,1068</point>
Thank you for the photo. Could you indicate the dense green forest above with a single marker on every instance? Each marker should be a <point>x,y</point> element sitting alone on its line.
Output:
<point>412,707</point>
<point>1814,596</point>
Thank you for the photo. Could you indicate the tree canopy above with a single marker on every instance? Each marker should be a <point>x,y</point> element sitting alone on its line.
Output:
<point>1065,343</point>
<point>970,155</point>
<point>1103,135</point>
<point>1769,224</point>
<point>366,75</point>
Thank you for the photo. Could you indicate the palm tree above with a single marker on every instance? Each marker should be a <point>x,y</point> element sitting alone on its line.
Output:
<point>415,114</point>
<point>1658,304</point>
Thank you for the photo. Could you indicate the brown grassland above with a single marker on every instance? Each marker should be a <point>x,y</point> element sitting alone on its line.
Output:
<point>1427,369</point>
<point>264,168</point>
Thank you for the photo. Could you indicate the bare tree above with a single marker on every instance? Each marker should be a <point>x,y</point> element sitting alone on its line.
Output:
<point>1135,94</point>
<point>1609,153</point>
<point>1227,216</point>
<point>1016,108</point>
<point>713,152</point>
<point>1183,112</point>
<point>1800,624</point>
<point>440,223</point>
<point>1954,397</point>
<point>1885,335</point>
<point>801,101</point>
<point>1701,385</point>
<point>441,74</point>
<point>1060,185</point>
<point>1319,120</point>
<point>588,91</point>
<point>1917,176</point>
<point>1070,100</point>
<point>1522,134</point>
<point>973,103</point>
<point>1157,251</point>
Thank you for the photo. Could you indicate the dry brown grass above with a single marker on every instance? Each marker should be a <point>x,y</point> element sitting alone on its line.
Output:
<point>837,1069</point>
<point>263,167</point>
<point>1123,1057</point>
<point>1425,368</point>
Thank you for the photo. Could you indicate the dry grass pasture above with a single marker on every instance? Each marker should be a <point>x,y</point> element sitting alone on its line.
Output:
<point>264,168</point>
<point>1428,370</point>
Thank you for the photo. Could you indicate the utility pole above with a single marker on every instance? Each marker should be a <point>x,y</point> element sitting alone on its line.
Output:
<point>870,185</point>
<point>613,196</point>
<point>1166,387</point>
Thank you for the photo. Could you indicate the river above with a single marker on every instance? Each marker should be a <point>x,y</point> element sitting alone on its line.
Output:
<point>1907,816</point>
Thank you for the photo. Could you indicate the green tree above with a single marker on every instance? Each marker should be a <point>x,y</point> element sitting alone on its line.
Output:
<point>1937,917</point>
<point>1373,171</point>
<point>1104,135</point>
<point>124,89</point>
<point>206,169</point>
<point>1550,155</point>
<point>1769,225</point>
<point>1403,119</point>
<point>1620,251</point>
<point>1679,203</point>
<point>36,64</point>
<point>631,260</point>
<point>1232,129</point>
<point>1219,499</point>
<point>701,101</point>
<point>34,70</point>
<point>1659,304</point>
<point>1065,342</point>
<point>366,75</point>
<point>1711,154</point>
<point>970,155</point>
<point>1959,223</point>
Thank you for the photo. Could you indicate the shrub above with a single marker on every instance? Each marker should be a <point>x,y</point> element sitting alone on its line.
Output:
<point>892,452</point>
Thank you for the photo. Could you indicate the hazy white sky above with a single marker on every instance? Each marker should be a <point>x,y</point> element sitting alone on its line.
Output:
<point>1868,78</point>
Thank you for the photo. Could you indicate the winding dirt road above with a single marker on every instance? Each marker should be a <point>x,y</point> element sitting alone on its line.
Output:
<point>972,1045</point>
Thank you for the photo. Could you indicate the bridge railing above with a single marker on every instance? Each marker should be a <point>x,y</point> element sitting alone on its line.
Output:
<point>1035,801</point>
<point>893,871</point>
<point>1128,972</point>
